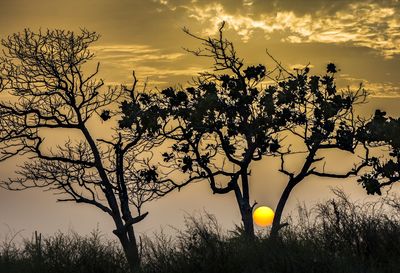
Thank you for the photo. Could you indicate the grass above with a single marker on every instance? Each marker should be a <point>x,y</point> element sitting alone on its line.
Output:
<point>63,253</point>
<point>335,236</point>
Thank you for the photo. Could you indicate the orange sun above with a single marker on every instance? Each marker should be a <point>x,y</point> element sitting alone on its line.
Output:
<point>263,216</point>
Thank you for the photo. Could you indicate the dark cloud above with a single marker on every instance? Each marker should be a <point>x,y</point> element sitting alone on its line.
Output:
<point>300,7</point>
<point>322,7</point>
<point>369,29</point>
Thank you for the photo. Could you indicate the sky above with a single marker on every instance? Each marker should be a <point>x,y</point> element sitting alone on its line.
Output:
<point>361,37</point>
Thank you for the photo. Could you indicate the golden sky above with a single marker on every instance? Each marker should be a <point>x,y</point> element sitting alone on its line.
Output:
<point>361,37</point>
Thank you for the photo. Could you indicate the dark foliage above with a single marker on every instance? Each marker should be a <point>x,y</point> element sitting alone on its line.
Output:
<point>230,118</point>
<point>225,121</point>
<point>334,236</point>
<point>384,131</point>
<point>63,253</point>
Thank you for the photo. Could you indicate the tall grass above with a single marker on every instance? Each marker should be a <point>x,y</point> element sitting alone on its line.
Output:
<point>334,236</point>
<point>63,253</point>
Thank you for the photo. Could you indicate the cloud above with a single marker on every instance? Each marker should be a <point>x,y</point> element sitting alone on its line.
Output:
<point>133,53</point>
<point>375,89</point>
<point>257,7</point>
<point>155,65</point>
<point>145,58</point>
<point>299,66</point>
<point>165,73</point>
<point>159,77</point>
<point>370,25</point>
<point>382,89</point>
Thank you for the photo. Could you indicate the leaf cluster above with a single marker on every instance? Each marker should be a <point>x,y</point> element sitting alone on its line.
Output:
<point>382,130</point>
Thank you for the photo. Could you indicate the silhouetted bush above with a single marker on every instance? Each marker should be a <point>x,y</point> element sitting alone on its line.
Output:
<point>333,236</point>
<point>63,253</point>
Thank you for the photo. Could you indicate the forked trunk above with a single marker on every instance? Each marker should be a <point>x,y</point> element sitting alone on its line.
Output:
<point>276,224</point>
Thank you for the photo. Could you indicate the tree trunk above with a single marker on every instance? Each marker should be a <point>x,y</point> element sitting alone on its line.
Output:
<point>276,224</point>
<point>247,218</point>
<point>129,245</point>
<point>243,199</point>
<point>246,213</point>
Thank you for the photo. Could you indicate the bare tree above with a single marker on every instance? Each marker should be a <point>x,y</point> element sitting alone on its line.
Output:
<point>46,92</point>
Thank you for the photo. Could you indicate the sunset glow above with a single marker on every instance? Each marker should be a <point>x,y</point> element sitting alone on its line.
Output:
<point>263,216</point>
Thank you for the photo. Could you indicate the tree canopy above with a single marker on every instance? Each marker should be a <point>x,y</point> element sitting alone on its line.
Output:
<point>46,92</point>
<point>239,114</point>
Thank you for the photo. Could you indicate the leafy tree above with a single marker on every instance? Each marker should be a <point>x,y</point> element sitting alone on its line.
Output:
<point>223,123</point>
<point>328,123</point>
<point>381,130</point>
<point>45,92</point>
<point>227,120</point>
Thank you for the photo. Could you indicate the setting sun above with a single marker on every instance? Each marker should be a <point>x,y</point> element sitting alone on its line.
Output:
<point>263,216</point>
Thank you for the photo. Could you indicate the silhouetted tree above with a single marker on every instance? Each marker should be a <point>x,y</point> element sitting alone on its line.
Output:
<point>45,92</point>
<point>223,123</point>
<point>227,120</point>
<point>328,123</point>
<point>381,131</point>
